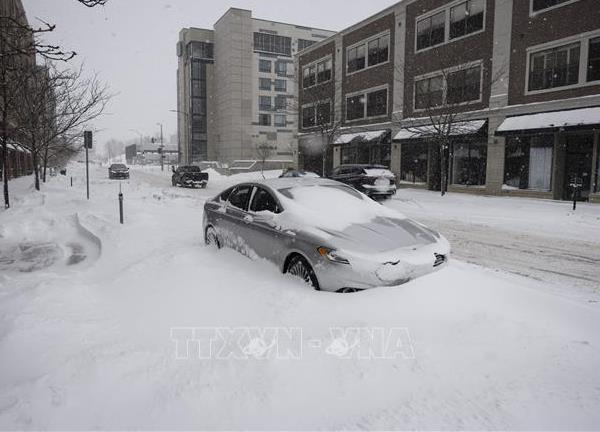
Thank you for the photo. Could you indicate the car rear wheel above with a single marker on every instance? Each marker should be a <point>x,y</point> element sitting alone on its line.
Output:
<point>211,238</point>
<point>300,268</point>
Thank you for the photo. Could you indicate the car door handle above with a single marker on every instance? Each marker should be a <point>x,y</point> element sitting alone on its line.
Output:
<point>248,219</point>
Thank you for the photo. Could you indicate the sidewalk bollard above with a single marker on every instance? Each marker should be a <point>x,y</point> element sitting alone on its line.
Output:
<point>120,205</point>
<point>71,181</point>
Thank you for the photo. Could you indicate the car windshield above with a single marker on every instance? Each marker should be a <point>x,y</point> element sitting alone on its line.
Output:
<point>190,168</point>
<point>118,166</point>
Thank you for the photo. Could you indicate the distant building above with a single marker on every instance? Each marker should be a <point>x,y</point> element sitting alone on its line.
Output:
<point>136,155</point>
<point>236,87</point>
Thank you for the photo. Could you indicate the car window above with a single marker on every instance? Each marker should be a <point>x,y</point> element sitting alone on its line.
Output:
<point>239,197</point>
<point>264,201</point>
<point>225,194</point>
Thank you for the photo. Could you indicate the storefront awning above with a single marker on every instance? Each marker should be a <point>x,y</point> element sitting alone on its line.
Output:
<point>363,136</point>
<point>457,128</point>
<point>550,120</point>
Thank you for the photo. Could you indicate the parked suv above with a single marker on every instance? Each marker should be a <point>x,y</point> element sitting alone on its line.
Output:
<point>189,176</point>
<point>376,181</point>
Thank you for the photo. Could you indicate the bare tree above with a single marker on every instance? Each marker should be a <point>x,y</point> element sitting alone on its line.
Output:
<point>263,152</point>
<point>443,101</point>
<point>56,103</point>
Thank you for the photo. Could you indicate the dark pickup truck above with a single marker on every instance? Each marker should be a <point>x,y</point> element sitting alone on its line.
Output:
<point>189,176</point>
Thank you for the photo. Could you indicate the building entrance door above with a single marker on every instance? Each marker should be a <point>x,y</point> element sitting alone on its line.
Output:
<point>578,164</point>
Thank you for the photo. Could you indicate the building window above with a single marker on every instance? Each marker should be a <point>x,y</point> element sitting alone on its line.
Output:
<point>379,50</point>
<point>466,18</point>
<point>281,69</point>
<point>539,5</point>
<point>593,71</point>
<point>273,44</point>
<point>280,102</point>
<point>556,67</point>
<point>355,107</point>
<point>469,159</point>
<point>431,31</point>
<point>200,50</point>
<point>528,162</point>
<point>264,83</point>
<point>324,71</point>
<point>280,120</point>
<point>309,76</point>
<point>356,58</point>
<point>323,113</point>
<point>264,119</point>
<point>280,85</point>
<point>377,103</point>
<point>308,117</point>
<point>304,43</point>
<point>264,103</point>
<point>413,162</point>
<point>429,92</point>
<point>464,85</point>
<point>264,66</point>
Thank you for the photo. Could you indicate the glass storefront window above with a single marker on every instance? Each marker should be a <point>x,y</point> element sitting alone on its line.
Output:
<point>361,152</point>
<point>469,159</point>
<point>528,162</point>
<point>413,162</point>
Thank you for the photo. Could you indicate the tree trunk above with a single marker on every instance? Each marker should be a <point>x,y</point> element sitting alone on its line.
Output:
<point>443,170</point>
<point>5,166</point>
<point>36,168</point>
<point>45,164</point>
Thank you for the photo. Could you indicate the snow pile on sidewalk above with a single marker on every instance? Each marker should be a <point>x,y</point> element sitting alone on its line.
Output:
<point>90,346</point>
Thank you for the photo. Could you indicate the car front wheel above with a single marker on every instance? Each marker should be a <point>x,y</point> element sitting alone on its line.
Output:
<point>211,238</point>
<point>300,268</point>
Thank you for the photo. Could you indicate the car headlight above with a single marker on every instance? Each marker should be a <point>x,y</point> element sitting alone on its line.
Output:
<point>332,255</point>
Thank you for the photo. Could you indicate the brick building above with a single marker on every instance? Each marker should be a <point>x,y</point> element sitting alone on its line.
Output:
<point>516,90</point>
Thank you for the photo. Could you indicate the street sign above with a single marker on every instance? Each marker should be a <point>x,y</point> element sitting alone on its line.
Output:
<point>87,139</point>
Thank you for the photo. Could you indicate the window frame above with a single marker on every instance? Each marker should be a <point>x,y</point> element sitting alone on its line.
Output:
<point>365,93</point>
<point>447,39</point>
<point>464,66</point>
<point>261,106</point>
<point>315,64</point>
<point>365,43</point>
<point>250,194</point>
<point>583,39</point>
<point>533,13</point>
<point>253,197</point>
<point>314,107</point>
<point>265,115</point>
<point>280,89</point>
<point>264,80</point>
<point>262,61</point>
<point>275,120</point>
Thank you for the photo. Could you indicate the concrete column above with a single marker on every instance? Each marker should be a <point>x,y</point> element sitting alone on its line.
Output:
<point>558,170</point>
<point>337,156</point>
<point>595,156</point>
<point>395,159</point>
<point>494,176</point>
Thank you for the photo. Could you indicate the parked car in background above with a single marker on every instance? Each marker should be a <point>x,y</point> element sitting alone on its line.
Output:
<point>240,166</point>
<point>118,171</point>
<point>189,176</point>
<point>298,173</point>
<point>324,232</point>
<point>375,181</point>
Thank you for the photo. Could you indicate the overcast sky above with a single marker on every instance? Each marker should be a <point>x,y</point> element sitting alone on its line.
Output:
<point>131,45</point>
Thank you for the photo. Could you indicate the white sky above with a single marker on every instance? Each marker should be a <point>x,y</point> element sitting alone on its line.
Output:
<point>131,45</point>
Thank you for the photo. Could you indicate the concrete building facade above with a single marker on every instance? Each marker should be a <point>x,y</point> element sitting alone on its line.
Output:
<point>515,84</point>
<point>237,87</point>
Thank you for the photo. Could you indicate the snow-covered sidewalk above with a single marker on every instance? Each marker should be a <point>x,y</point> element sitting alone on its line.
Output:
<point>89,344</point>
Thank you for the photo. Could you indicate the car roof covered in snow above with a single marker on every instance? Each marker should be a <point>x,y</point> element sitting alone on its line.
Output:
<point>289,182</point>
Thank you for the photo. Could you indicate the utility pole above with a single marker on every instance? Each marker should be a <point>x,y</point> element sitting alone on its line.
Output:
<point>87,143</point>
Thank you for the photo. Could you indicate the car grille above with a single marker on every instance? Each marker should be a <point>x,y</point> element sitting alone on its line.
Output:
<point>439,259</point>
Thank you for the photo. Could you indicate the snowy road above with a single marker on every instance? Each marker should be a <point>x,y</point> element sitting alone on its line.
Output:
<point>560,248</point>
<point>90,345</point>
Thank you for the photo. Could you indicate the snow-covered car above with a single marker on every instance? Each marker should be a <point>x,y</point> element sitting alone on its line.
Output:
<point>376,181</point>
<point>298,173</point>
<point>325,232</point>
<point>189,176</point>
<point>118,171</point>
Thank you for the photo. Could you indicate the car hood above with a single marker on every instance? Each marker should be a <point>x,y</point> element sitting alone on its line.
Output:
<point>381,235</point>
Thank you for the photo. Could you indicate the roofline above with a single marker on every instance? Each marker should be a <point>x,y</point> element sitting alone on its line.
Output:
<point>271,21</point>
<point>353,27</point>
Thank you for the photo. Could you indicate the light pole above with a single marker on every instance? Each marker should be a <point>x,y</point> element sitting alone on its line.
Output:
<point>160,149</point>
<point>186,122</point>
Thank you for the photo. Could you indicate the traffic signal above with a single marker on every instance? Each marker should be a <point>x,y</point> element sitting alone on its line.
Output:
<point>87,139</point>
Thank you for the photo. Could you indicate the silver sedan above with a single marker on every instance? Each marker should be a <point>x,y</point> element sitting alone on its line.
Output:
<point>325,232</point>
